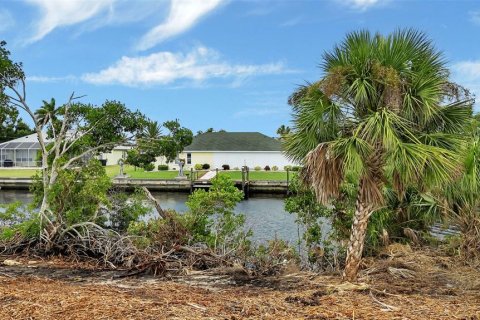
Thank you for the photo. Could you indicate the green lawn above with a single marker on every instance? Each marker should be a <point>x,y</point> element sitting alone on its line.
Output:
<point>17,173</point>
<point>258,175</point>
<point>112,171</point>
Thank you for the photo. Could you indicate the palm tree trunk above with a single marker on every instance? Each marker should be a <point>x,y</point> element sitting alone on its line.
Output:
<point>369,196</point>
<point>357,239</point>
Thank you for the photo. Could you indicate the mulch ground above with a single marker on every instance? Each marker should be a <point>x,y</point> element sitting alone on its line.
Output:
<point>401,284</point>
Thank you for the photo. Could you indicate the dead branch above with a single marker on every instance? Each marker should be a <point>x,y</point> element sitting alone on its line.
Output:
<point>156,203</point>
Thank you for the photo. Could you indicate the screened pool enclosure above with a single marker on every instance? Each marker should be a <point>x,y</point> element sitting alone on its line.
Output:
<point>21,152</point>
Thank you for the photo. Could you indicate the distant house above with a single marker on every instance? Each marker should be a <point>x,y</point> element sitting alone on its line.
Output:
<point>20,152</point>
<point>235,149</point>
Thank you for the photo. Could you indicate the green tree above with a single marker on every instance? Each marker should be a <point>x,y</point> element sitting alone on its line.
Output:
<point>211,218</point>
<point>173,143</point>
<point>147,146</point>
<point>383,113</point>
<point>283,131</point>
<point>11,125</point>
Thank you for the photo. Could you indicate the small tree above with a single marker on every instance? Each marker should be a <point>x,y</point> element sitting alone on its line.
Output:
<point>172,144</point>
<point>77,132</point>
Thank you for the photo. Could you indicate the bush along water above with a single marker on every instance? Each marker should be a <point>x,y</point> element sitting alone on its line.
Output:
<point>96,222</point>
<point>327,227</point>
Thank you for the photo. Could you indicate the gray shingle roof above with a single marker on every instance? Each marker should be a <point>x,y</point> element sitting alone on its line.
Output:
<point>233,141</point>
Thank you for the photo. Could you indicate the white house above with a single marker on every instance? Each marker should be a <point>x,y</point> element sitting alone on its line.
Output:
<point>235,149</point>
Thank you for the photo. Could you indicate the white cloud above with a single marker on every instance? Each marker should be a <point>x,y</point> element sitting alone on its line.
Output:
<point>6,20</point>
<point>58,13</point>
<point>467,73</point>
<point>183,15</point>
<point>362,4</point>
<point>43,79</point>
<point>474,17</point>
<point>468,70</point>
<point>166,67</point>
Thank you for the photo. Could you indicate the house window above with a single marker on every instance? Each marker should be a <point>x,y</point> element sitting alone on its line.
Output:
<point>189,158</point>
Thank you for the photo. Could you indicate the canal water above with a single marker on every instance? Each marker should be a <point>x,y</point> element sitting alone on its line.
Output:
<point>265,215</point>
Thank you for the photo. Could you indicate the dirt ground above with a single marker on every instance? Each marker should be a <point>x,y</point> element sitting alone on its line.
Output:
<point>400,284</point>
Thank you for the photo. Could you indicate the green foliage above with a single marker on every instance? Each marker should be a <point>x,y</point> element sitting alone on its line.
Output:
<point>175,141</point>
<point>313,216</point>
<point>11,73</point>
<point>287,168</point>
<point>211,218</point>
<point>140,158</point>
<point>103,127</point>
<point>124,209</point>
<point>415,210</point>
<point>267,168</point>
<point>160,233</point>
<point>283,131</point>
<point>225,167</point>
<point>77,194</point>
<point>18,220</point>
<point>163,167</point>
<point>205,166</point>
<point>257,168</point>
<point>149,167</point>
<point>11,125</point>
<point>274,168</point>
<point>198,166</point>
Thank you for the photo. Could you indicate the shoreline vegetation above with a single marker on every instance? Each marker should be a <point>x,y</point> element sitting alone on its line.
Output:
<point>139,173</point>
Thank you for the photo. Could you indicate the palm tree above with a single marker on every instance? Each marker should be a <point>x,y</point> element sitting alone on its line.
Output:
<point>46,113</point>
<point>384,113</point>
<point>152,131</point>
<point>283,131</point>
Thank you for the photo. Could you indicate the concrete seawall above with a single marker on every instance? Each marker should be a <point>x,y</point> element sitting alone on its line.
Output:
<point>257,186</point>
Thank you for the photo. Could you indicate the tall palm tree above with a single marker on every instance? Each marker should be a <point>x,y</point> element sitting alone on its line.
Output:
<point>383,113</point>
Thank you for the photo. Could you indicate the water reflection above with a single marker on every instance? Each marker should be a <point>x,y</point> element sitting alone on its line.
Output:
<point>265,215</point>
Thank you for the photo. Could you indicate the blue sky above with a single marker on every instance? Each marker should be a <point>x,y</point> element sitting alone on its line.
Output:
<point>212,63</point>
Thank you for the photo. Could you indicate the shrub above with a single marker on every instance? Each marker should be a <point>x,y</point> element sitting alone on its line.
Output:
<point>286,168</point>
<point>206,166</point>
<point>198,166</point>
<point>295,168</point>
<point>149,167</point>
<point>274,168</point>
<point>211,218</point>
<point>267,168</point>
<point>236,168</point>
<point>226,167</point>
<point>163,167</point>
<point>257,168</point>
